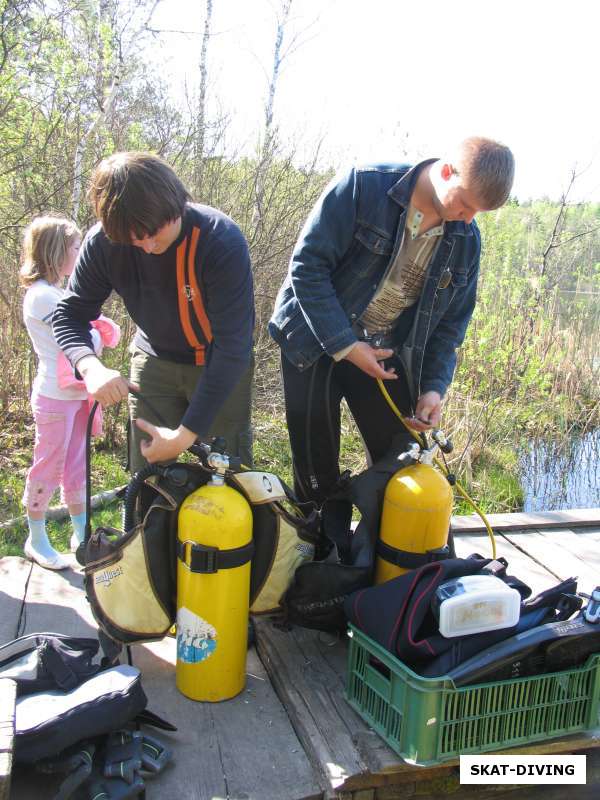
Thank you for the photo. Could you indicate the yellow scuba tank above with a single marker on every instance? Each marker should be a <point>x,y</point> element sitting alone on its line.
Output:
<point>415,517</point>
<point>213,590</point>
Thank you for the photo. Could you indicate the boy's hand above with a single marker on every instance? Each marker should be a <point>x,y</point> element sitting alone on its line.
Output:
<point>367,358</point>
<point>165,444</point>
<point>428,412</point>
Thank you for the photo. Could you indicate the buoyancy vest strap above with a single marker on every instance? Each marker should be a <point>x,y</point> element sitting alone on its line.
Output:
<point>205,559</point>
<point>407,560</point>
<point>197,301</point>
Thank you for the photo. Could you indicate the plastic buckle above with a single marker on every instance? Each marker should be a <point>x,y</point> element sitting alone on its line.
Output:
<point>203,558</point>
<point>123,756</point>
<point>592,610</point>
<point>155,756</point>
<point>207,558</point>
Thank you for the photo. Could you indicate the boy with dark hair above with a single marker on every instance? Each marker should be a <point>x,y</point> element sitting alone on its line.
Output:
<point>385,270</point>
<point>183,272</point>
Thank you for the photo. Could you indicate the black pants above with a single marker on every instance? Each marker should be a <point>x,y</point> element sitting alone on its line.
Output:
<point>312,402</point>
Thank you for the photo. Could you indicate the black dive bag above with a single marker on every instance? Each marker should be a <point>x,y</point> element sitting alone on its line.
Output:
<point>41,661</point>
<point>48,722</point>
<point>398,615</point>
<point>63,696</point>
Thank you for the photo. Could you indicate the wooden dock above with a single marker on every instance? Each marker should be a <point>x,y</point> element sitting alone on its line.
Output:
<point>291,735</point>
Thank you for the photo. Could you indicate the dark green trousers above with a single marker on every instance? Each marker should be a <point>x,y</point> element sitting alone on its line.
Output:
<point>169,388</point>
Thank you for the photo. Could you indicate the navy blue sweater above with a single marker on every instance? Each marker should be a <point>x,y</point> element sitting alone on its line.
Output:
<point>148,285</point>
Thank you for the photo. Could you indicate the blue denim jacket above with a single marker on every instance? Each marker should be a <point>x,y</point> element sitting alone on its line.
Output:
<point>345,251</point>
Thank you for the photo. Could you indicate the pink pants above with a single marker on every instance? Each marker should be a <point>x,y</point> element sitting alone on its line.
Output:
<point>58,453</point>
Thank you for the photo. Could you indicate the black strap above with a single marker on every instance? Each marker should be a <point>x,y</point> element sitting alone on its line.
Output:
<point>88,478</point>
<point>208,560</point>
<point>78,767</point>
<point>147,717</point>
<point>61,672</point>
<point>111,649</point>
<point>402,558</point>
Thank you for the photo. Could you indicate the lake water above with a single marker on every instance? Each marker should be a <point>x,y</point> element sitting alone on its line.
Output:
<point>560,476</point>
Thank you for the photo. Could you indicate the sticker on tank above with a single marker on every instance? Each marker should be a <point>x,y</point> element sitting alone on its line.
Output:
<point>196,638</point>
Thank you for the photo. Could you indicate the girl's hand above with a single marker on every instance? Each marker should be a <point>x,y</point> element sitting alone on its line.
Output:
<point>105,385</point>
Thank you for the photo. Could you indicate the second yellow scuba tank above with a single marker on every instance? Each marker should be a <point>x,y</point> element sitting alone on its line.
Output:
<point>213,589</point>
<point>415,517</point>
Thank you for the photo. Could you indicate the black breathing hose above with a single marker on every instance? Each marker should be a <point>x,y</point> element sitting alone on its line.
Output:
<point>88,478</point>
<point>133,489</point>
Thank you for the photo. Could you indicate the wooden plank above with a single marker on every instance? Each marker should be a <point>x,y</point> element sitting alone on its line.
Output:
<point>592,533</point>
<point>520,564</point>
<point>576,517</point>
<point>58,599</point>
<point>244,747</point>
<point>580,543</point>
<point>547,547</point>
<point>311,692</point>
<point>450,787</point>
<point>332,649</point>
<point>308,669</point>
<point>8,694</point>
<point>14,574</point>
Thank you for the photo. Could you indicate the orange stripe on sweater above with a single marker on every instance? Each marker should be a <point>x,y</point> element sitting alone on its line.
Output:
<point>197,300</point>
<point>184,307</point>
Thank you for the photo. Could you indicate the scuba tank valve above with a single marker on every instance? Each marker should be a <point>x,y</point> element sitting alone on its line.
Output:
<point>446,447</point>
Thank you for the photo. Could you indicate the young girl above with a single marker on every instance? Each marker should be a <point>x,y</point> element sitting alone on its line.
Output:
<point>50,247</point>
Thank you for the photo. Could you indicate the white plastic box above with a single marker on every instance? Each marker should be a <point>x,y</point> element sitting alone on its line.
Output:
<point>476,603</point>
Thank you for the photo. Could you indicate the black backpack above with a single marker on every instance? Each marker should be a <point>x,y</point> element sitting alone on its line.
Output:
<point>63,696</point>
<point>316,596</point>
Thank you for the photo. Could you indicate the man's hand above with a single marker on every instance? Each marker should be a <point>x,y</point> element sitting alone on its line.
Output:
<point>428,412</point>
<point>107,386</point>
<point>165,444</point>
<point>367,358</point>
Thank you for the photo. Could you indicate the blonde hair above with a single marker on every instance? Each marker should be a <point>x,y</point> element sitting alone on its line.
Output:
<point>45,244</point>
<point>488,169</point>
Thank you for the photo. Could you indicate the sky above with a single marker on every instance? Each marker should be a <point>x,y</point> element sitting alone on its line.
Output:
<point>399,80</point>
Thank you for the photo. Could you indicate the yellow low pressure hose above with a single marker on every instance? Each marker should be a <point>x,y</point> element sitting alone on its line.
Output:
<point>438,464</point>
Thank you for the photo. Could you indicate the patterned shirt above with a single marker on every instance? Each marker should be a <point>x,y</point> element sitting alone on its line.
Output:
<point>403,285</point>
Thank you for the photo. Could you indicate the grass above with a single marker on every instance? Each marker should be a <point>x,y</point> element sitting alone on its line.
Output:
<point>495,485</point>
<point>271,453</point>
<point>489,473</point>
<point>108,472</point>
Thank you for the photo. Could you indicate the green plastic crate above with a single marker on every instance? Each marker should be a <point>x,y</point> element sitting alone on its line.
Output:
<point>430,720</point>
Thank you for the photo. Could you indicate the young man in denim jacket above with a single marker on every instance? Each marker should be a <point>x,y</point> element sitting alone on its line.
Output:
<point>385,270</point>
